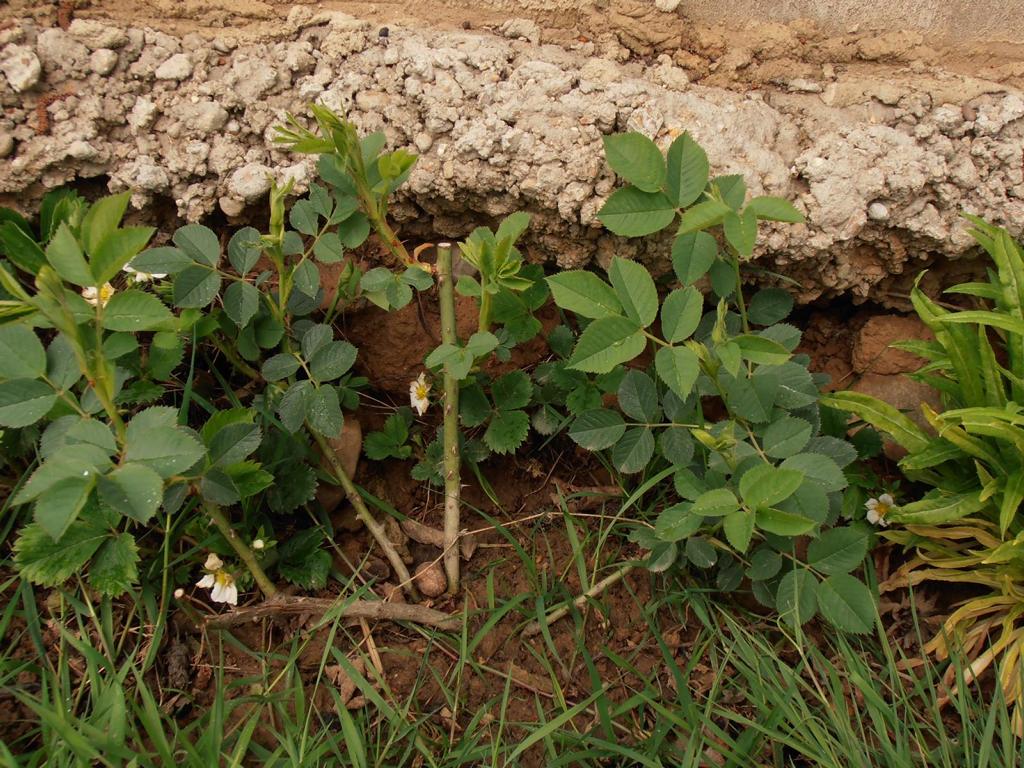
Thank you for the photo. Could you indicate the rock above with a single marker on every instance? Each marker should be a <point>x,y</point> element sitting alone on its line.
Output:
<point>878,211</point>
<point>81,150</point>
<point>250,182</point>
<point>430,579</point>
<point>177,67</point>
<point>872,353</point>
<point>6,144</point>
<point>102,61</point>
<point>149,176</point>
<point>21,67</point>
<point>142,114</point>
<point>203,116</point>
<point>666,6</point>
<point>95,35</point>
<point>58,50</point>
<point>521,29</point>
<point>231,206</point>
<point>349,444</point>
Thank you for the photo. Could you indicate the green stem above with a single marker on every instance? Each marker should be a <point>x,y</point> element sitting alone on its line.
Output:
<point>390,239</point>
<point>241,549</point>
<point>232,356</point>
<point>452,460</point>
<point>740,303</point>
<point>485,306</point>
<point>375,528</point>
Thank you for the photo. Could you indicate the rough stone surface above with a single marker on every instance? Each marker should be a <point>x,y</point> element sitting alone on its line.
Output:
<point>882,160</point>
<point>871,350</point>
<point>20,66</point>
<point>102,61</point>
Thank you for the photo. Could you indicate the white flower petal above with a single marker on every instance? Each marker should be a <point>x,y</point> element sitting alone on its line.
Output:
<point>213,563</point>
<point>887,499</point>
<point>231,594</point>
<point>206,582</point>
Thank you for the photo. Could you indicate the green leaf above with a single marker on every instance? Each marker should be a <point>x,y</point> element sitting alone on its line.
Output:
<point>294,405</point>
<point>333,361</point>
<point>881,416</point>
<point>635,289</point>
<point>73,462</point>
<point>241,302</point>
<point>717,502</point>
<point>678,367</point>
<point>797,598</point>
<point>732,188</point>
<point>115,567</point>
<point>818,468</point>
<point>328,249</point>
<point>233,443</point>
<point>681,313</point>
<point>634,450</point>
<point>838,550</point>
<point>199,243</point>
<point>606,343</point>
<point>21,353</point>
<point>631,212</point>
<point>774,209</point>
<point>58,506</point>
<point>309,572</point>
<point>134,310</point>
<point>119,248</point>
<point>324,411</point>
<point>507,431</point>
<point>761,350</point>
<point>765,563</point>
<point>49,563</point>
<point>783,523</point>
<point>937,508</point>
<point>165,260</point>
<point>739,529</point>
<point>636,159</point>
<point>765,485</point>
<point>638,397</point>
<point>700,552</point>
<point>165,353</point>
<point>244,250</point>
<point>354,230</point>
<point>280,366</point>
<point>692,256</point>
<point>676,446</point>
<point>786,437</point>
<point>584,293</point>
<point>22,249</point>
<point>167,450</point>
<point>513,390</point>
<point>597,429</point>
<point>741,232</point>
<point>769,306</point>
<point>102,219</point>
<point>677,522</point>
<point>195,287</point>
<point>847,604</point>
<point>687,171</point>
<point>66,257</point>
<point>303,217</point>
<point>702,216</point>
<point>133,490</point>
<point>24,401</point>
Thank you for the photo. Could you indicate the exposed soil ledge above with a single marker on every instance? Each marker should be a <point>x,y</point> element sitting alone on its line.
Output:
<point>880,138</point>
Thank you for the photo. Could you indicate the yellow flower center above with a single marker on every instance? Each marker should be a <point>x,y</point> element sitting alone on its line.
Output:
<point>223,578</point>
<point>882,508</point>
<point>105,292</point>
<point>422,390</point>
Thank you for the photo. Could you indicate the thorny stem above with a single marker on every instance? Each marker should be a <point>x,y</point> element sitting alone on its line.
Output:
<point>241,549</point>
<point>452,481</point>
<point>375,528</point>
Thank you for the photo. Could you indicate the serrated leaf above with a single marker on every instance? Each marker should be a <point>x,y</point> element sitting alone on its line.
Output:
<point>633,450</point>
<point>134,310</point>
<point>761,350</point>
<point>49,563</point>
<point>635,290</point>
<point>584,293</point>
<point>741,232</point>
<point>700,552</point>
<point>676,445</point>
<point>67,259</point>
<point>303,217</point>
<point>244,250</point>
<point>511,391</point>
<point>847,604</point>
<point>133,490</point>
<point>774,209</point>
<point>507,431</point>
<point>233,443</point>
<point>24,401</point>
<point>765,563</point>
<point>21,353</point>
<point>678,367</point>
<point>597,429</point>
<point>59,505</point>
<point>797,598</point>
<point>638,397</point>
<point>702,216</point>
<point>72,462</point>
<point>165,260</point>
<point>786,437</point>
<point>241,302</point>
<point>677,522</point>
<point>692,256</point>
<point>752,399</point>
<point>195,287</point>
<point>636,159</point>
<point>294,405</point>
<point>167,450</point>
<point>115,566</point>
<point>681,313</point>
<point>333,361</point>
<point>354,230</point>
<point>324,411</point>
<point>717,502</point>
<point>280,366</point>
<point>119,248</point>
<point>739,529</point>
<point>687,171</point>
<point>198,243</point>
<point>606,343</point>
<point>838,550</point>
<point>310,572</point>
<point>818,468</point>
<point>631,212</point>
<point>784,523</point>
<point>769,306</point>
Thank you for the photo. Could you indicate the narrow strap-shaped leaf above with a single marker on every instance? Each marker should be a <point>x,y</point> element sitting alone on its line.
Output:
<point>1013,495</point>
<point>882,416</point>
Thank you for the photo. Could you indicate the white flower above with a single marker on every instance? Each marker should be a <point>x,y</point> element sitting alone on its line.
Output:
<point>98,296</point>
<point>878,509</point>
<point>179,593</point>
<point>220,583</point>
<point>419,392</point>
<point>258,544</point>
<point>144,277</point>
